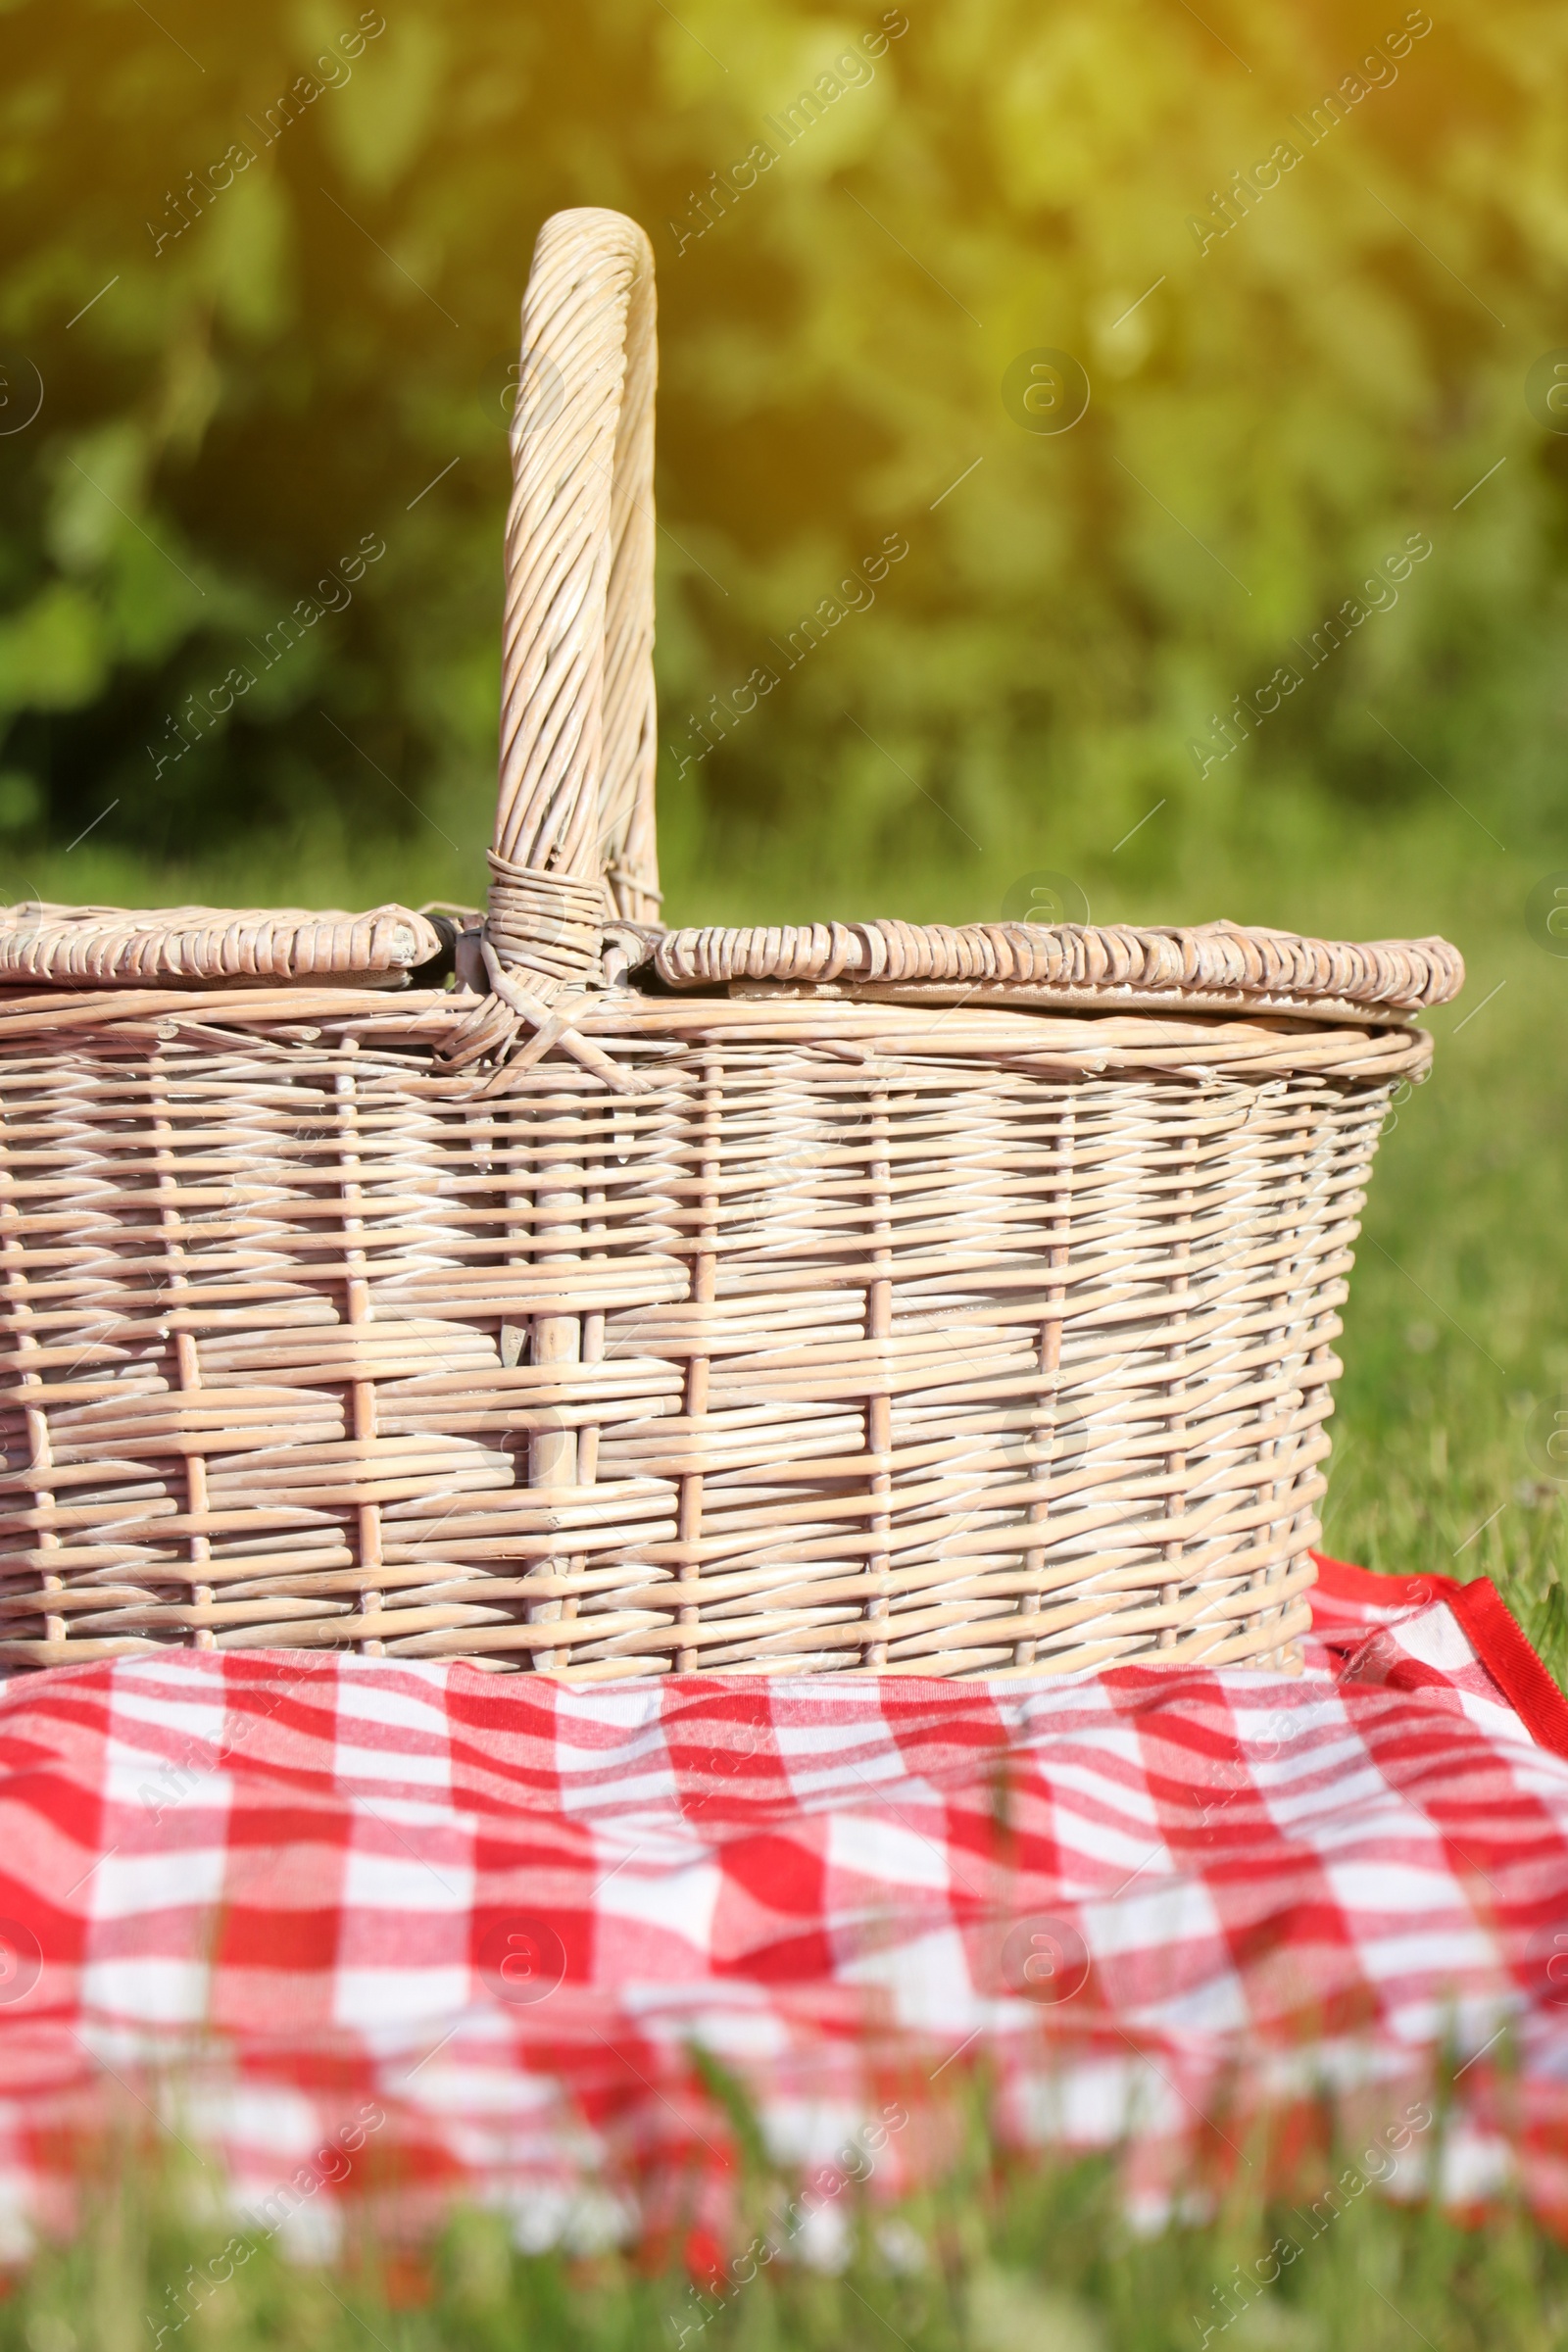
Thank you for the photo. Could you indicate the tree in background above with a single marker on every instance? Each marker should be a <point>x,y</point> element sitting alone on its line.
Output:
<point>1072,420</point>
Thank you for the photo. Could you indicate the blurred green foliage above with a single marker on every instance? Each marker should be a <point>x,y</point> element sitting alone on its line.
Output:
<point>322,353</point>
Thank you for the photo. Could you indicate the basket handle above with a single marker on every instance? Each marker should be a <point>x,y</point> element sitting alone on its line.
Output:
<point>578,741</point>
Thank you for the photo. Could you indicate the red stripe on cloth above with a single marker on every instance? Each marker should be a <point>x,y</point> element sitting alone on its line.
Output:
<point>1498,1639</point>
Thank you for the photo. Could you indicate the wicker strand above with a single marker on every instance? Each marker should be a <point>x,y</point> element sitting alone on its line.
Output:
<point>547,923</point>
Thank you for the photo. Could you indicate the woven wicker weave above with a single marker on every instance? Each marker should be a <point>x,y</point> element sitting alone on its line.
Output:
<point>940,1301</point>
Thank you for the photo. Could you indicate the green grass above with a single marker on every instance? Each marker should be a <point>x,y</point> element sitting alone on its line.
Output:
<point>1456,1336</point>
<point>1037,2259</point>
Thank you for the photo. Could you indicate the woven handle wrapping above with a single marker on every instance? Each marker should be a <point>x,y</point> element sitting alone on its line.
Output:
<point>574,839</point>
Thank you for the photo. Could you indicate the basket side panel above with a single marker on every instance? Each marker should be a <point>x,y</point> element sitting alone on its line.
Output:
<point>909,1360</point>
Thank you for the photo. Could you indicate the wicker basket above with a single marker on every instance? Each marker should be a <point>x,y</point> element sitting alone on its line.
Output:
<point>935,1300</point>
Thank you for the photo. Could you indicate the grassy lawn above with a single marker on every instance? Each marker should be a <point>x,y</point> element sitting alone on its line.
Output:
<point>1038,2262</point>
<point>1456,1336</point>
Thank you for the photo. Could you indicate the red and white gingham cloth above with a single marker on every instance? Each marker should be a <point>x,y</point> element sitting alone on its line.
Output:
<point>314,1911</point>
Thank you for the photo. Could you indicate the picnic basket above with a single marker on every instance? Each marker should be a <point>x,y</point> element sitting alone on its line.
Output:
<point>555,1291</point>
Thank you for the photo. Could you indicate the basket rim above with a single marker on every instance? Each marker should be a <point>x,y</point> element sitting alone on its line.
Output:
<point>1214,968</point>
<point>51,945</point>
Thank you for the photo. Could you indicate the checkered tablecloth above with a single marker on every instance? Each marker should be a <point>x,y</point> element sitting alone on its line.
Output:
<point>419,1932</point>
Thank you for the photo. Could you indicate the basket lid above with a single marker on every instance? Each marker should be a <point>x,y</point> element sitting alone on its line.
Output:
<point>42,944</point>
<point>1219,966</point>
